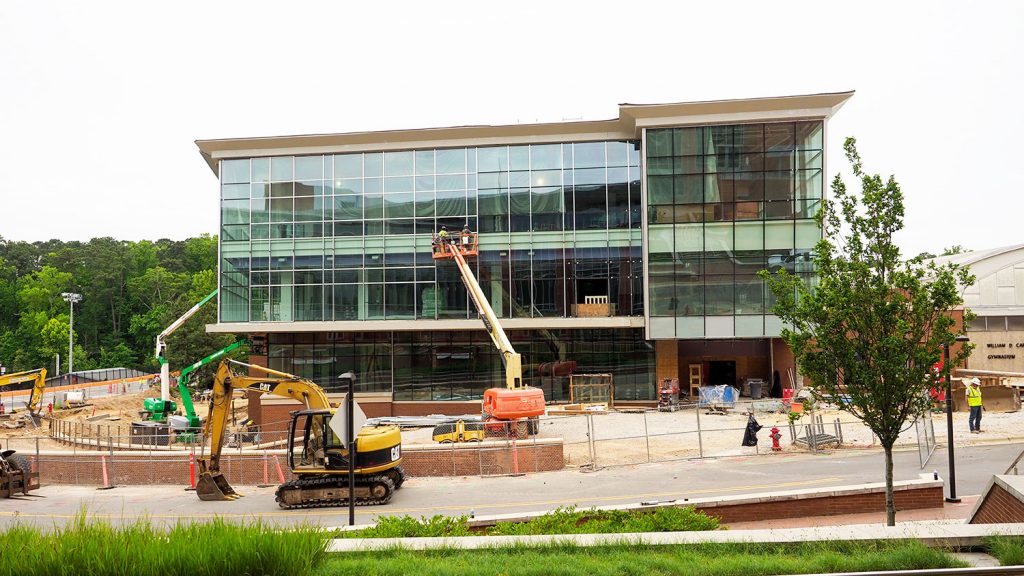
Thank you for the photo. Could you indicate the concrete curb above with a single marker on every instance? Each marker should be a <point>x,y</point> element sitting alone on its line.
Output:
<point>931,534</point>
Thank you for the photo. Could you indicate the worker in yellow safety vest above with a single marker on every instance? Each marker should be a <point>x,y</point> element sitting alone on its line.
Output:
<point>974,402</point>
<point>443,237</point>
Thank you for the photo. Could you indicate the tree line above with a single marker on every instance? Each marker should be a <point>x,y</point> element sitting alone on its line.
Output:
<point>130,292</point>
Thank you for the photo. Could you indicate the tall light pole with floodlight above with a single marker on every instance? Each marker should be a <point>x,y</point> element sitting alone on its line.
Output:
<point>949,418</point>
<point>71,298</point>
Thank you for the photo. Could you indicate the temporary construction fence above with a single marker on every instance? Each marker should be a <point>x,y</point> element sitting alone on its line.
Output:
<point>584,441</point>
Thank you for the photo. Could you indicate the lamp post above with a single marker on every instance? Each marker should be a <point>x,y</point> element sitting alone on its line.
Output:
<point>71,298</point>
<point>949,418</point>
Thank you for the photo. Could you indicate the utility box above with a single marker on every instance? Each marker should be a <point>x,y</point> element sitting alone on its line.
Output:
<point>150,434</point>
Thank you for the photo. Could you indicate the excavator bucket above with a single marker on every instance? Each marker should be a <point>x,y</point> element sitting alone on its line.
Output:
<point>212,487</point>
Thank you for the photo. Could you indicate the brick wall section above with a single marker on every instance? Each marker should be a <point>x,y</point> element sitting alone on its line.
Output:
<point>907,499</point>
<point>486,459</point>
<point>86,468</point>
<point>999,507</point>
<point>140,469</point>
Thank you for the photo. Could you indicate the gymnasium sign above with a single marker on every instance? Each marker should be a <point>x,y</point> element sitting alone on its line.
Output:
<point>1004,350</point>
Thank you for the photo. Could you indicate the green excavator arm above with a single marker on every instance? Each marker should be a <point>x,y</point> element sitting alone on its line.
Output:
<point>183,379</point>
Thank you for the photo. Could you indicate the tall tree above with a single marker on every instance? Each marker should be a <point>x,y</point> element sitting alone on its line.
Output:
<point>872,327</point>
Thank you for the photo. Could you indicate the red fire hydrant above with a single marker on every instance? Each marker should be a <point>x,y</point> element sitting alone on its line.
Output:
<point>775,436</point>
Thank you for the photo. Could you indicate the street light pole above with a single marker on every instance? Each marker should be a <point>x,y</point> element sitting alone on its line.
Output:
<point>71,298</point>
<point>949,419</point>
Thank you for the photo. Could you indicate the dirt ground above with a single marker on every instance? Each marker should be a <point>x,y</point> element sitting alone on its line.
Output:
<point>622,437</point>
<point>116,411</point>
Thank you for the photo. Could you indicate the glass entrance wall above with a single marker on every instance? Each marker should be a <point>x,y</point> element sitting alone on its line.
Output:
<point>347,236</point>
<point>725,202</point>
<point>460,365</point>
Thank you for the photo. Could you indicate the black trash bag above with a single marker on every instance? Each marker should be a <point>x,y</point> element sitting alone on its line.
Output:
<point>750,436</point>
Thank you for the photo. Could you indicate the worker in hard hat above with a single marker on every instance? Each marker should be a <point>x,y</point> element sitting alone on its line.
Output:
<point>443,236</point>
<point>974,402</point>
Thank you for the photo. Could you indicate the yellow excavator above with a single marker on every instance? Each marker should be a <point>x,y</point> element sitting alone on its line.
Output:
<point>315,454</point>
<point>38,377</point>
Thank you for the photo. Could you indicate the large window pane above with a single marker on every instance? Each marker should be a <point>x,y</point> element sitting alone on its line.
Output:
<point>546,157</point>
<point>588,155</point>
<point>450,161</point>
<point>424,162</point>
<point>398,163</point>
<point>281,169</point>
<point>809,135</point>
<point>234,171</point>
<point>309,168</point>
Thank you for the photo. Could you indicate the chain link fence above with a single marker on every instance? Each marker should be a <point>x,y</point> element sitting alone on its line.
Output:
<point>584,441</point>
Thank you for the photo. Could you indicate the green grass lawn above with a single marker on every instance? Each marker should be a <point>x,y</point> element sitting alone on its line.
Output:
<point>1007,549</point>
<point>220,548</point>
<point>703,559</point>
<point>560,521</point>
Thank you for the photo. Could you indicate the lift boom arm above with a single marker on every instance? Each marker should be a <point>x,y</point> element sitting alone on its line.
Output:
<point>512,360</point>
<point>38,376</point>
<point>161,345</point>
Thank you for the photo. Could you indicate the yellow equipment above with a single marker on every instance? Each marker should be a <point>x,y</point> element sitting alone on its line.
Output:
<point>460,431</point>
<point>315,454</point>
<point>36,397</point>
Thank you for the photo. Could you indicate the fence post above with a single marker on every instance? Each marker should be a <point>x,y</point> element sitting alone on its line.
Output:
<point>113,468</point>
<point>536,451</point>
<point>647,438</point>
<point>700,435</point>
<point>593,443</point>
<point>451,454</point>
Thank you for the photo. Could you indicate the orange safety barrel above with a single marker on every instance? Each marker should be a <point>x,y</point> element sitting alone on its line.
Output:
<point>508,404</point>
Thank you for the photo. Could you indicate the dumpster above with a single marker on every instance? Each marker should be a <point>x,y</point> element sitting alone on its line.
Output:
<point>150,434</point>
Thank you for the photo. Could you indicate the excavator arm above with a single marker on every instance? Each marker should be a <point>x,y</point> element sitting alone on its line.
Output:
<point>37,376</point>
<point>186,374</point>
<point>211,484</point>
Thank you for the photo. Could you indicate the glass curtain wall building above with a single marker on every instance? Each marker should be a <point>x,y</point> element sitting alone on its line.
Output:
<point>347,236</point>
<point>725,202</point>
<point>605,246</point>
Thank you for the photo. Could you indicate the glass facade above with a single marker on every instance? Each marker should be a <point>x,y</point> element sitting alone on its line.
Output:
<point>724,202</point>
<point>347,237</point>
<point>460,365</point>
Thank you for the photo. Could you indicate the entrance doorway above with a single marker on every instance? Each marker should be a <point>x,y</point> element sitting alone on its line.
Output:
<point>722,372</point>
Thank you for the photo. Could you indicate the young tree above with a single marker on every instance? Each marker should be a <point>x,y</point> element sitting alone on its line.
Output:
<point>873,325</point>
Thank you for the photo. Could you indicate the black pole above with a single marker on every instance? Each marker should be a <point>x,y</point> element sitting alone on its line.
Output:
<point>949,424</point>
<point>350,442</point>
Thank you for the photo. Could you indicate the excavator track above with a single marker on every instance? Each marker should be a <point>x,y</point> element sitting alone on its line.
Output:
<point>325,491</point>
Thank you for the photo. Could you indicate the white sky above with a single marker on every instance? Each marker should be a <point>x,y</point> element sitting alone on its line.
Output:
<point>100,102</point>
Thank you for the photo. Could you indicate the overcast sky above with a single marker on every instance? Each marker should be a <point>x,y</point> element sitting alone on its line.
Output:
<point>100,102</point>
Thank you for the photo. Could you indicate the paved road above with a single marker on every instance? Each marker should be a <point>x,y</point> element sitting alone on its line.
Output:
<point>454,496</point>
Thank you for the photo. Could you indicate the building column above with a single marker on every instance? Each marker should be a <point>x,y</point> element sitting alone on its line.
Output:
<point>666,360</point>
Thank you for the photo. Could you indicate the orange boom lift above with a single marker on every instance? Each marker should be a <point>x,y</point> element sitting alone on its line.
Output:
<point>516,402</point>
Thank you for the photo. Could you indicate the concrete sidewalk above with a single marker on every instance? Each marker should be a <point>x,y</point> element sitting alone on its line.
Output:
<point>930,533</point>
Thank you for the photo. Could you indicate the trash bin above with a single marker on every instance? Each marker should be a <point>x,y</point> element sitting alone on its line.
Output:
<point>755,389</point>
<point>150,434</point>
<point>142,433</point>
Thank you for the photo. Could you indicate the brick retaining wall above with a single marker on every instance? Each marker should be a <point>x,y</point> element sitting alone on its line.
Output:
<point>1002,502</point>
<point>906,498</point>
<point>135,468</point>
